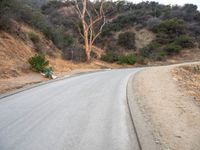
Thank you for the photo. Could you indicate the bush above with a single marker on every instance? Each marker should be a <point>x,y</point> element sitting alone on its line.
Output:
<point>158,55</point>
<point>172,27</point>
<point>127,40</point>
<point>34,37</point>
<point>149,49</point>
<point>172,48</point>
<point>163,38</point>
<point>127,59</point>
<point>110,57</point>
<point>48,72</point>
<point>184,41</point>
<point>38,62</point>
<point>121,59</point>
<point>61,39</point>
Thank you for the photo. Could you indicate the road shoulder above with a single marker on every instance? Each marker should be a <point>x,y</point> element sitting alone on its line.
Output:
<point>171,114</point>
<point>144,133</point>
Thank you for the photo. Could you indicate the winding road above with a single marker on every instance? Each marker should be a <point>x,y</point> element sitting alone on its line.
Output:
<point>85,112</point>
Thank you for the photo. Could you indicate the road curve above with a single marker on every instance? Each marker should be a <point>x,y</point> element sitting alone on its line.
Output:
<point>86,112</point>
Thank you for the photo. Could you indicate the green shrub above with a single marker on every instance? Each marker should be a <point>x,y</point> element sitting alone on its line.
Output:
<point>153,51</point>
<point>48,71</point>
<point>172,27</point>
<point>149,49</point>
<point>145,51</point>
<point>127,59</point>
<point>127,40</point>
<point>119,23</point>
<point>34,37</point>
<point>163,38</point>
<point>184,41</point>
<point>38,62</point>
<point>172,48</point>
<point>158,55</point>
<point>121,59</point>
<point>110,57</point>
<point>169,29</point>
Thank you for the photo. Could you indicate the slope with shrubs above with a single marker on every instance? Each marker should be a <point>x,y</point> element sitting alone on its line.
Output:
<point>17,48</point>
<point>175,28</point>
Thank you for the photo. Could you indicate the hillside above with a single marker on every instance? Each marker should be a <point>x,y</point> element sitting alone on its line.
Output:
<point>147,33</point>
<point>164,30</point>
<point>158,32</point>
<point>15,50</point>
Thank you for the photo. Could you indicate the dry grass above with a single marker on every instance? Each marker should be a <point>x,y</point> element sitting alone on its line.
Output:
<point>13,55</point>
<point>188,78</point>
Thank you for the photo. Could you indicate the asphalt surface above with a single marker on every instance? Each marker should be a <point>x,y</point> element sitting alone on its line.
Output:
<point>86,112</point>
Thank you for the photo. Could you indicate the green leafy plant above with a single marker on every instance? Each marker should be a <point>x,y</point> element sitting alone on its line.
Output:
<point>172,48</point>
<point>158,55</point>
<point>38,62</point>
<point>120,59</point>
<point>184,41</point>
<point>110,57</point>
<point>48,71</point>
<point>172,27</point>
<point>149,49</point>
<point>127,59</point>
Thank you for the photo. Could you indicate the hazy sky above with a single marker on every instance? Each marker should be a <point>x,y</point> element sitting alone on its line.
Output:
<point>173,2</point>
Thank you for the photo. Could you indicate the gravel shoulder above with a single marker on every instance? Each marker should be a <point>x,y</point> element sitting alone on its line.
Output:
<point>171,113</point>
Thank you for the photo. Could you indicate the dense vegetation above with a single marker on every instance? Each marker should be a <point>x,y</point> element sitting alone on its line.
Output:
<point>175,27</point>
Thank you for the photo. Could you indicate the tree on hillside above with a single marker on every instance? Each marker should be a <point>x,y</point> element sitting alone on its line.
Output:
<point>92,21</point>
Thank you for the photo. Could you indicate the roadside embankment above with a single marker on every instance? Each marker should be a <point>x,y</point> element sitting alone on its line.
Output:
<point>171,113</point>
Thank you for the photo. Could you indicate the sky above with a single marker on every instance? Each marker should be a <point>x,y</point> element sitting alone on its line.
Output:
<point>172,2</point>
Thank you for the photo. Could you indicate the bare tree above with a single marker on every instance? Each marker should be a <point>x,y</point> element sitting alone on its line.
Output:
<point>91,18</point>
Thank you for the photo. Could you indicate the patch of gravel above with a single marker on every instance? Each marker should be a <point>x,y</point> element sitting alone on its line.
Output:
<point>171,113</point>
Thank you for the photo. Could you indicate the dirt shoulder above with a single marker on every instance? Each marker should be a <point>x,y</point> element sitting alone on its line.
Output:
<point>170,111</point>
<point>30,78</point>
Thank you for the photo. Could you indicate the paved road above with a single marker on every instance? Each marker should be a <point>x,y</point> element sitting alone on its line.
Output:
<point>86,112</point>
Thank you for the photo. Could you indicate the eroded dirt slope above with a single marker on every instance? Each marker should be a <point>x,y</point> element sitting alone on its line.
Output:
<point>13,55</point>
